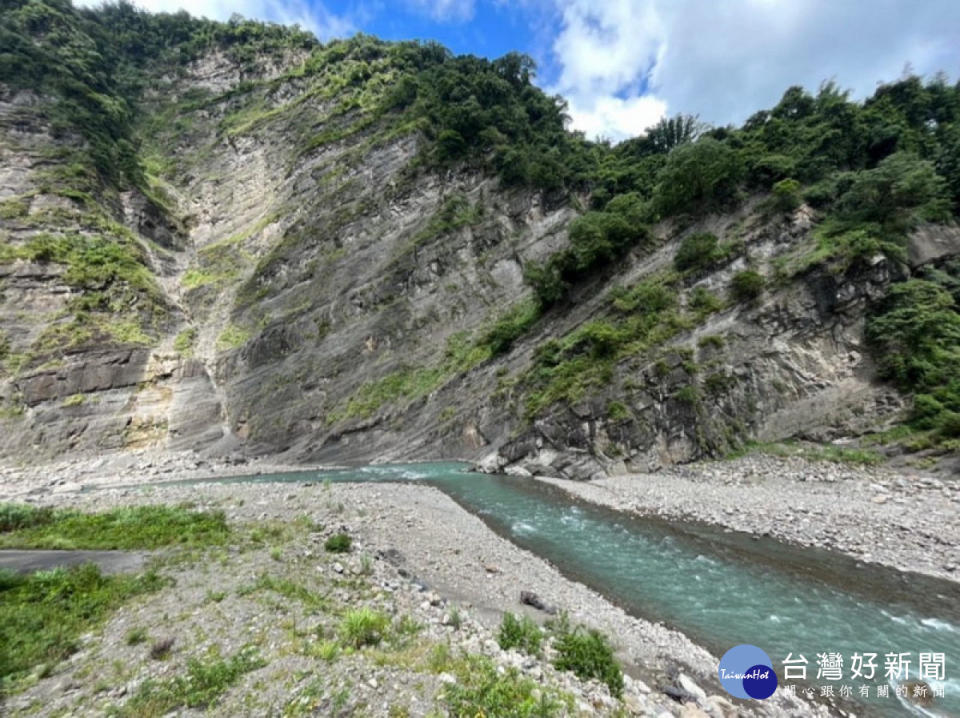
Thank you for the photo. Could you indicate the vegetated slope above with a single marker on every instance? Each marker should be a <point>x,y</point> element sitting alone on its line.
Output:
<point>227,236</point>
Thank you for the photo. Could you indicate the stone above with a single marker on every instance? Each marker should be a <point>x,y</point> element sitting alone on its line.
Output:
<point>687,684</point>
<point>529,598</point>
<point>517,471</point>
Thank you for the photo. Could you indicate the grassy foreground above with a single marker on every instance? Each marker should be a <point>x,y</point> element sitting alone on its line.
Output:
<point>313,634</point>
<point>138,527</point>
<point>42,615</point>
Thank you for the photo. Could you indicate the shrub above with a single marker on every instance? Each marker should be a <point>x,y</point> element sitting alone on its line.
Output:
<point>648,297</point>
<point>949,423</point>
<point>821,193</point>
<point>363,627</point>
<point>481,690</point>
<point>688,394</point>
<point>714,341</point>
<point>701,300</point>
<point>522,633</point>
<point>746,285</point>
<point>698,251</point>
<point>717,383</point>
<point>915,335</point>
<point>786,195</point>
<point>546,280</point>
<point>926,409</point>
<point>456,620</point>
<point>617,411</point>
<point>338,543</point>
<point>596,239</point>
<point>511,326</point>
<point>588,654</point>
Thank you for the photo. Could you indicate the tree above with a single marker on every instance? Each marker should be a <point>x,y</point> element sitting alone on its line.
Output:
<point>673,132</point>
<point>697,177</point>
<point>900,190</point>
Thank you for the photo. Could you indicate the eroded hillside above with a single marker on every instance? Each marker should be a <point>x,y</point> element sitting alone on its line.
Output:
<point>364,250</point>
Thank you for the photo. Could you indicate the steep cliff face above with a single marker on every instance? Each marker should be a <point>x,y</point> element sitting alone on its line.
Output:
<point>292,278</point>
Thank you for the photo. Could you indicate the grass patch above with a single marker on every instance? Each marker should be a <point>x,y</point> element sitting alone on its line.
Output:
<point>136,636</point>
<point>363,627</point>
<point>460,356</point>
<point>232,337</point>
<point>811,452</point>
<point>338,543</point>
<point>117,295</point>
<point>139,527</point>
<point>183,343</point>
<point>200,688</point>
<point>404,383</point>
<point>43,615</point>
<point>289,590</point>
<point>455,212</point>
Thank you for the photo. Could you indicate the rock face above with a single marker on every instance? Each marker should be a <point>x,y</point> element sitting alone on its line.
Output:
<point>320,299</point>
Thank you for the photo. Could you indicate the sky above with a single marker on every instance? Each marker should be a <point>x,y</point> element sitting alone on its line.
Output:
<point>624,64</point>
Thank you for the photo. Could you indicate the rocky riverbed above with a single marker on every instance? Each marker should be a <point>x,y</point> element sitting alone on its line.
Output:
<point>907,521</point>
<point>417,557</point>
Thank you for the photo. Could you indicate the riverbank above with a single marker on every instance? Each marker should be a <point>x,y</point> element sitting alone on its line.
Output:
<point>415,554</point>
<point>907,522</point>
<point>125,468</point>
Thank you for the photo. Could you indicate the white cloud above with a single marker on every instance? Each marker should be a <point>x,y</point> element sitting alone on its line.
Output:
<point>725,60</point>
<point>311,16</point>
<point>616,118</point>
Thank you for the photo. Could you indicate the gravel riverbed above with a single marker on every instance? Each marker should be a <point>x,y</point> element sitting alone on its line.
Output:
<point>908,522</point>
<point>416,553</point>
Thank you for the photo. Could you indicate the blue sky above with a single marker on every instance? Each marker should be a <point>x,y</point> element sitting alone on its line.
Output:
<point>623,64</point>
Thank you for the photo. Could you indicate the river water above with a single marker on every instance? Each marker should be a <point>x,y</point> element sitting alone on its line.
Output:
<point>720,588</point>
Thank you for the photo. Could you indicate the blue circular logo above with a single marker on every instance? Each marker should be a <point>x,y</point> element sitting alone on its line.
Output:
<point>747,672</point>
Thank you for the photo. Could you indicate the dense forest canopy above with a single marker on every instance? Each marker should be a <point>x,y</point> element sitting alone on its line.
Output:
<point>871,170</point>
<point>95,62</point>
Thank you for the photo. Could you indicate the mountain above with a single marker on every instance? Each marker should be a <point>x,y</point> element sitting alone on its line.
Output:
<point>231,238</point>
